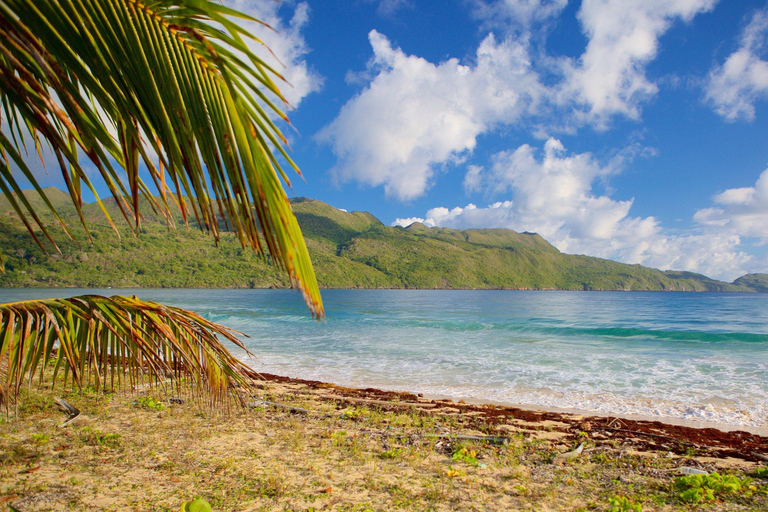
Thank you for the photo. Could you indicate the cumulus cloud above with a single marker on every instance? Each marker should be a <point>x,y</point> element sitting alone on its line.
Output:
<point>734,87</point>
<point>408,221</point>
<point>609,78</point>
<point>286,42</point>
<point>415,115</point>
<point>553,195</point>
<point>414,118</point>
<point>740,211</point>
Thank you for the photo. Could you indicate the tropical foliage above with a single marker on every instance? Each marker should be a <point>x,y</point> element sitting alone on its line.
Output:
<point>118,342</point>
<point>164,92</point>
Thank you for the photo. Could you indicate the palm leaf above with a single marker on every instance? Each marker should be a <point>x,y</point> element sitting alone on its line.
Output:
<point>165,89</point>
<point>117,342</point>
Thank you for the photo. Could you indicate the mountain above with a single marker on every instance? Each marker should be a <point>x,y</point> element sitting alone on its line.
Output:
<point>349,250</point>
<point>756,282</point>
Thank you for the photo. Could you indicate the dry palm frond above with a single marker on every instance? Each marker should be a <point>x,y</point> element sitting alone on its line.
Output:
<point>168,84</point>
<point>117,343</point>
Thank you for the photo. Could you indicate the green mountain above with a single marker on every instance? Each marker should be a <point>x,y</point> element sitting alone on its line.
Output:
<point>756,282</point>
<point>349,250</point>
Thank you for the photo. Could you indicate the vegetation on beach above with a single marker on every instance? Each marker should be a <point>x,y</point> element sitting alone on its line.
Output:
<point>338,456</point>
<point>349,250</point>
<point>116,342</point>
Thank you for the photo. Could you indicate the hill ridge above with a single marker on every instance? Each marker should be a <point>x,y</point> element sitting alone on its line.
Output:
<point>349,250</point>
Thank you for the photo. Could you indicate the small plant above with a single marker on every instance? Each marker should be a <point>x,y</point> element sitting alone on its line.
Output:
<point>352,414</point>
<point>466,456</point>
<point>339,438</point>
<point>40,438</point>
<point>761,472</point>
<point>623,504</point>
<point>697,488</point>
<point>148,403</point>
<point>198,505</point>
<point>392,453</point>
<point>95,437</point>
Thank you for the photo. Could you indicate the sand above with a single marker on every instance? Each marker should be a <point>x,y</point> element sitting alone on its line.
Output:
<point>353,450</point>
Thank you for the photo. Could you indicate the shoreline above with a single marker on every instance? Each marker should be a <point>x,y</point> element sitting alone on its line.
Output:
<point>670,420</point>
<point>653,434</point>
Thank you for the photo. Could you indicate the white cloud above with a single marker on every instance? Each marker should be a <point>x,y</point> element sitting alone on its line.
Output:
<point>286,42</point>
<point>740,211</point>
<point>733,88</point>
<point>473,179</point>
<point>714,254</point>
<point>609,78</point>
<point>415,115</point>
<point>390,7</point>
<point>517,13</point>
<point>553,195</point>
<point>407,221</point>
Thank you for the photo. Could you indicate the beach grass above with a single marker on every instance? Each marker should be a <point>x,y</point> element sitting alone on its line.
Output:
<point>332,451</point>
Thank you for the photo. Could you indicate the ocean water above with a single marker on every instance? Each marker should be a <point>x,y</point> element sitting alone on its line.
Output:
<point>680,356</point>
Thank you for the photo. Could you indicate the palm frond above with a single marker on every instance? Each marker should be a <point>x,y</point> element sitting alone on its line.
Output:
<point>117,343</point>
<point>168,88</point>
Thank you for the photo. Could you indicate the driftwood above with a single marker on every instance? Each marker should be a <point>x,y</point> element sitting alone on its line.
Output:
<point>760,456</point>
<point>564,457</point>
<point>72,411</point>
<point>684,470</point>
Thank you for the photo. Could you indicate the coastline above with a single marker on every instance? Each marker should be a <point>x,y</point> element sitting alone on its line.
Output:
<point>590,400</point>
<point>669,420</point>
<point>659,434</point>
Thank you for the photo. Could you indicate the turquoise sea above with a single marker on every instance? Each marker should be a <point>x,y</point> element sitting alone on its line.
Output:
<point>685,356</point>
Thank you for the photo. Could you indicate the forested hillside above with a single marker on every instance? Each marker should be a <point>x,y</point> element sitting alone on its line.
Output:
<point>349,250</point>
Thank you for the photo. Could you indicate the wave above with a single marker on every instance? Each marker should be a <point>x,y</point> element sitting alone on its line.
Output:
<point>532,327</point>
<point>666,335</point>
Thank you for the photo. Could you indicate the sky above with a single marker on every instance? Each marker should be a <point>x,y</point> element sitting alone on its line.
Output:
<point>630,130</point>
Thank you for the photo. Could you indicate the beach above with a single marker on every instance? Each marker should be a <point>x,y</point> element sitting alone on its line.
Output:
<point>308,445</point>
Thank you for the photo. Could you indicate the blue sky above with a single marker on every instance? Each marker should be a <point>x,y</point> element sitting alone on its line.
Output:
<point>635,131</point>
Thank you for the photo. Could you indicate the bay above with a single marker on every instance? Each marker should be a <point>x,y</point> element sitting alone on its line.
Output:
<point>697,357</point>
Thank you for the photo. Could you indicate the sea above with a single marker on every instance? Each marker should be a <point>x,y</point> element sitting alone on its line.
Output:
<point>694,358</point>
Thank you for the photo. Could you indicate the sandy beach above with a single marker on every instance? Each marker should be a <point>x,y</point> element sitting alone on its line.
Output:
<point>308,445</point>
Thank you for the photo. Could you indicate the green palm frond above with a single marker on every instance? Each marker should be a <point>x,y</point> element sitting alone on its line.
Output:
<point>117,342</point>
<point>164,89</point>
